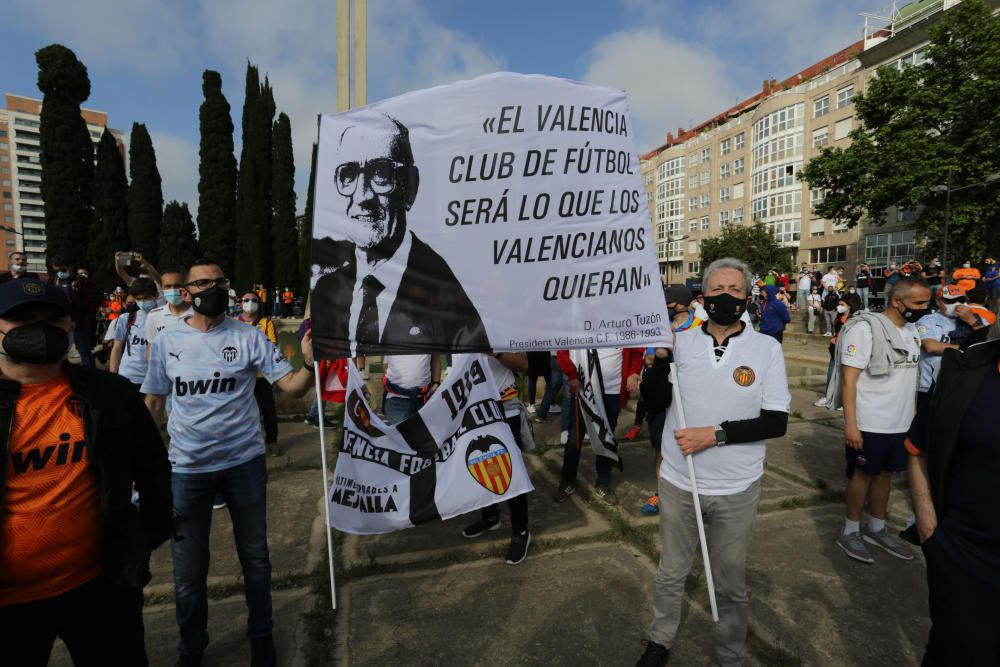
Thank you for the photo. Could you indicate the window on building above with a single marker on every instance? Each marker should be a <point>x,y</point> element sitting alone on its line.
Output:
<point>821,137</point>
<point>738,215</point>
<point>8,218</point>
<point>740,140</point>
<point>649,177</point>
<point>725,146</point>
<point>4,158</point>
<point>738,165</point>
<point>675,167</point>
<point>706,154</point>
<point>821,107</point>
<point>692,225</point>
<point>10,242</point>
<point>738,191</point>
<point>842,128</point>
<point>4,170</point>
<point>723,218</point>
<point>785,231</point>
<point>724,170</point>
<point>692,203</point>
<point>7,194</point>
<point>828,255</point>
<point>3,133</point>
<point>693,160</point>
<point>706,177</point>
<point>844,96</point>
<point>816,197</point>
<point>704,200</point>
<point>8,207</point>
<point>692,181</point>
<point>705,224</point>
<point>724,194</point>
<point>881,249</point>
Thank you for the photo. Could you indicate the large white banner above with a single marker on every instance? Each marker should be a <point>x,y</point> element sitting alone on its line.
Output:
<point>504,213</point>
<point>456,455</point>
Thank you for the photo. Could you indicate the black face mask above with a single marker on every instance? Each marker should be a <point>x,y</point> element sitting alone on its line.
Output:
<point>36,343</point>
<point>724,309</point>
<point>211,302</point>
<point>911,315</point>
<point>132,308</point>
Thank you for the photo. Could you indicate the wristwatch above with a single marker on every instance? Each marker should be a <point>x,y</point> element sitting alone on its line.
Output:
<point>720,436</point>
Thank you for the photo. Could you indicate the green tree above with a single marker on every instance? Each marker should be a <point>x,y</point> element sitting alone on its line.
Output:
<point>109,231</point>
<point>216,175</point>
<point>283,231</point>
<point>753,244</point>
<point>253,199</point>
<point>306,227</point>
<point>67,153</point>
<point>178,245</point>
<point>918,123</point>
<point>145,194</point>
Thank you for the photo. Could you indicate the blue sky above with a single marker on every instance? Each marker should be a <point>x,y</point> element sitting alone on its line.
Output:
<point>145,57</point>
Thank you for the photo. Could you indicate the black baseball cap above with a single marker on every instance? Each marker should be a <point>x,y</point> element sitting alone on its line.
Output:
<point>15,293</point>
<point>678,294</point>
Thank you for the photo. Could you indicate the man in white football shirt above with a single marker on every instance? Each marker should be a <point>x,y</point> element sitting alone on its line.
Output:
<point>178,304</point>
<point>735,396</point>
<point>880,357</point>
<point>209,364</point>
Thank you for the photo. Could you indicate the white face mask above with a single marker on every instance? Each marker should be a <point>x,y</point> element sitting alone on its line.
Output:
<point>18,268</point>
<point>841,309</point>
<point>949,309</point>
<point>966,265</point>
<point>250,307</point>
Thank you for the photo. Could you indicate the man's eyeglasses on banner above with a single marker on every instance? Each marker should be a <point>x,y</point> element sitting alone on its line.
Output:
<point>383,176</point>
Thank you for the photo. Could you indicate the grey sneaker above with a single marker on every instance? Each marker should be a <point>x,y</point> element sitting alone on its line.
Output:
<point>854,547</point>
<point>605,494</point>
<point>887,542</point>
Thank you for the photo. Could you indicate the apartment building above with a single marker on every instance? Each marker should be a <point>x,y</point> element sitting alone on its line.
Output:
<point>740,166</point>
<point>21,174</point>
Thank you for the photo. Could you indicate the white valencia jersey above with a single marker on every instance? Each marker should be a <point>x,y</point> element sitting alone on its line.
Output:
<point>749,377</point>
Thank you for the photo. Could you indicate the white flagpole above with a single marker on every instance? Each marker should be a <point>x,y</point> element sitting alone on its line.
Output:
<point>682,422</point>
<point>326,485</point>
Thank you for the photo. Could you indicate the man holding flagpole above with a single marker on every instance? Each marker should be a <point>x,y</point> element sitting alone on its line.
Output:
<point>734,395</point>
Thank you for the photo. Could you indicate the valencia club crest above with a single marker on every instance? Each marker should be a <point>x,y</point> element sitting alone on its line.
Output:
<point>489,464</point>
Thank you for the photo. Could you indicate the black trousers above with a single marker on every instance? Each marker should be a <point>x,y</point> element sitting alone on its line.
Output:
<point>264,393</point>
<point>519,504</point>
<point>100,624</point>
<point>965,618</point>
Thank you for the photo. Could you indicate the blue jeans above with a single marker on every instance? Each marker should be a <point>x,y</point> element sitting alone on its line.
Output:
<point>397,409</point>
<point>551,389</point>
<point>244,488</point>
<point>863,293</point>
<point>83,339</point>
<point>571,455</point>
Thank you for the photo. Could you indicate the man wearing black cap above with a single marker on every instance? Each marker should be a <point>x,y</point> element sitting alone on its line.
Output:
<point>74,550</point>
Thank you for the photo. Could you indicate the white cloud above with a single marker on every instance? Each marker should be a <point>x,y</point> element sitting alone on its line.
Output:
<point>669,83</point>
<point>177,161</point>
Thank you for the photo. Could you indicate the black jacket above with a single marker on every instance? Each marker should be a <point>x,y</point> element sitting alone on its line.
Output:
<point>431,311</point>
<point>941,412</point>
<point>125,447</point>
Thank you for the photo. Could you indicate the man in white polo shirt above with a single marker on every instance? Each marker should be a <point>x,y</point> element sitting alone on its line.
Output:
<point>409,379</point>
<point>735,396</point>
<point>879,357</point>
<point>209,363</point>
<point>178,304</point>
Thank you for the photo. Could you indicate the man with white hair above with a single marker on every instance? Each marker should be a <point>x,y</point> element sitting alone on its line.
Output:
<point>735,396</point>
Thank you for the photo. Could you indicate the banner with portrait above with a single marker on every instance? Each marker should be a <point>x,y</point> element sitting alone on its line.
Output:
<point>504,213</point>
<point>456,455</point>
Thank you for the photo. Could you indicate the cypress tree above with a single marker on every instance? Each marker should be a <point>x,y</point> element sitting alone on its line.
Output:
<point>283,231</point>
<point>248,261</point>
<point>306,227</point>
<point>109,231</point>
<point>67,153</point>
<point>178,245</point>
<point>145,194</point>
<point>263,157</point>
<point>216,175</point>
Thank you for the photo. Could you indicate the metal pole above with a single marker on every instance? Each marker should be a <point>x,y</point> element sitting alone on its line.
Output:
<point>326,484</point>
<point>360,53</point>
<point>343,55</point>
<point>947,216</point>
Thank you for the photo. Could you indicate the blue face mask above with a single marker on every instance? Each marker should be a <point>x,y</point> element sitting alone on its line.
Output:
<point>62,275</point>
<point>173,297</point>
<point>147,305</point>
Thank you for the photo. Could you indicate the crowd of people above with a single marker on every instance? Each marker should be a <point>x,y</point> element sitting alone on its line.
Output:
<point>90,489</point>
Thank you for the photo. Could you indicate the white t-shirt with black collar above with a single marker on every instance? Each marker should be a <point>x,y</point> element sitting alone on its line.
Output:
<point>748,377</point>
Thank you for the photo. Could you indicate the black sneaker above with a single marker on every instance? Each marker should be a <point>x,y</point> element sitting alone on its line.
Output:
<point>262,653</point>
<point>565,491</point>
<point>910,535</point>
<point>606,495</point>
<point>480,527</point>
<point>518,550</point>
<point>655,655</point>
<point>273,449</point>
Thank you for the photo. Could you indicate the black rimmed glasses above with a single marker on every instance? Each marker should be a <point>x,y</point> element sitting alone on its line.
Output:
<point>205,283</point>
<point>382,175</point>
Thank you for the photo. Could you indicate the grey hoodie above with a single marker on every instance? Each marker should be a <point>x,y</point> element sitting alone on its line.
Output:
<point>888,349</point>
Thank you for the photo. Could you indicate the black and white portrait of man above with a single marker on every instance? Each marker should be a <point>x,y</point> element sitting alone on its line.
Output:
<point>381,285</point>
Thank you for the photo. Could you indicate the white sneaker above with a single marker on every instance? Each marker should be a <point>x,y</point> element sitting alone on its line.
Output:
<point>555,409</point>
<point>828,334</point>
<point>563,437</point>
<point>531,409</point>
<point>821,402</point>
